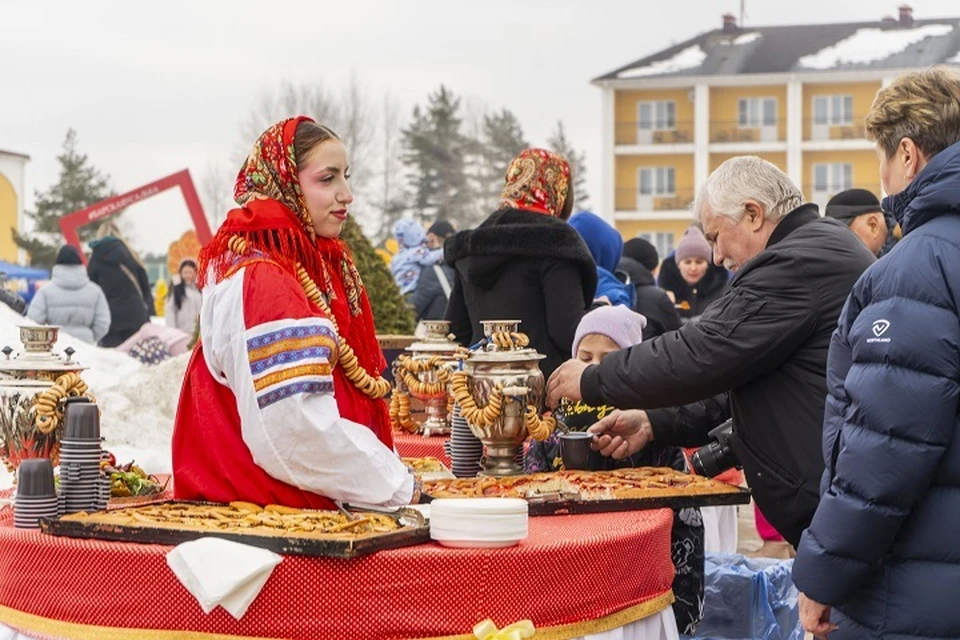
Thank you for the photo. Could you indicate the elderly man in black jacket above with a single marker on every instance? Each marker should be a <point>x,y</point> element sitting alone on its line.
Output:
<point>765,341</point>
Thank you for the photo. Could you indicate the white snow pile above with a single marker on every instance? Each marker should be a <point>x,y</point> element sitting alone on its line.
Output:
<point>747,38</point>
<point>955,59</point>
<point>138,402</point>
<point>689,58</point>
<point>871,45</point>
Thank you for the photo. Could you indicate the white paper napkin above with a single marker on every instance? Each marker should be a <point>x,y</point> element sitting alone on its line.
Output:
<point>222,572</point>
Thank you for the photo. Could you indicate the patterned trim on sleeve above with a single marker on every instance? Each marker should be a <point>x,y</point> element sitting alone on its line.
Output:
<point>290,357</point>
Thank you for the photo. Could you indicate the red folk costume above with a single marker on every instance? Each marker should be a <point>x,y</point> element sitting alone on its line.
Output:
<point>268,412</point>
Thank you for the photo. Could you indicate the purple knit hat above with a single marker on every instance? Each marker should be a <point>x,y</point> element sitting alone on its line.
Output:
<point>619,323</point>
<point>693,245</point>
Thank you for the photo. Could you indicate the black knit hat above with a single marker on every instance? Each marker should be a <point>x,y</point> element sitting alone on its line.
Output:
<point>642,251</point>
<point>68,255</point>
<point>442,229</point>
<point>849,204</point>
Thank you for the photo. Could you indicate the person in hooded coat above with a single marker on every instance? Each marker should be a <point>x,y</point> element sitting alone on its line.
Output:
<point>524,262</point>
<point>124,281</point>
<point>71,301</point>
<point>606,247</point>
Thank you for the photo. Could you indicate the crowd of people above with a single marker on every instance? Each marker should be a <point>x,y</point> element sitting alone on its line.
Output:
<point>830,338</point>
<point>109,301</point>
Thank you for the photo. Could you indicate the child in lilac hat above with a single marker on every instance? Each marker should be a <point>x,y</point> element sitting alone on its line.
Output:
<point>602,331</point>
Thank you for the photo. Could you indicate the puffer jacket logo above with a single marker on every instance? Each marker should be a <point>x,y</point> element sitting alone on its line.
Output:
<point>880,327</point>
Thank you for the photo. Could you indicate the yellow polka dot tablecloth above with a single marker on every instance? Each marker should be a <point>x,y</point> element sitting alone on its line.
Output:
<point>572,576</point>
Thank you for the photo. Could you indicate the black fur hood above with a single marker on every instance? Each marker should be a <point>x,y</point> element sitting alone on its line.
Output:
<point>481,254</point>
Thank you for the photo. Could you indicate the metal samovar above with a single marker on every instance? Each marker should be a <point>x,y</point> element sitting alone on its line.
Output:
<point>424,372</point>
<point>34,385</point>
<point>500,392</point>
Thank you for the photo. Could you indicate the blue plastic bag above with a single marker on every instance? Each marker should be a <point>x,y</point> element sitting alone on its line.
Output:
<point>749,599</point>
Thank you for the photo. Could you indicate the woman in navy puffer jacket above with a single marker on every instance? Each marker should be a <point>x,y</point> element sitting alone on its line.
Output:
<point>883,549</point>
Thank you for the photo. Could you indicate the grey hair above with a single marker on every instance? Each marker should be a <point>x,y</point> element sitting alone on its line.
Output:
<point>747,178</point>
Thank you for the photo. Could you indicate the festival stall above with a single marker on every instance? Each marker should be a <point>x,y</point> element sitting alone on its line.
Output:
<point>575,554</point>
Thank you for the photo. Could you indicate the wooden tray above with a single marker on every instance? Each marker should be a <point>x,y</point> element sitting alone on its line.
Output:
<point>415,531</point>
<point>547,507</point>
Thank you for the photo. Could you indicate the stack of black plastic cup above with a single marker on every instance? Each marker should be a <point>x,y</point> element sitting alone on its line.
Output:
<point>36,493</point>
<point>80,482</point>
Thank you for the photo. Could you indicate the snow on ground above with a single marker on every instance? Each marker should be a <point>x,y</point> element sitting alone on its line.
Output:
<point>955,59</point>
<point>689,58</point>
<point>138,402</point>
<point>871,45</point>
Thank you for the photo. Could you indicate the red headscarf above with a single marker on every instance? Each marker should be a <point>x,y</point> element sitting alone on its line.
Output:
<point>274,220</point>
<point>537,180</point>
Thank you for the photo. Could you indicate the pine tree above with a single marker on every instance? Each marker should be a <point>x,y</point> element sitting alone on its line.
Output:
<point>502,140</point>
<point>558,142</point>
<point>391,313</point>
<point>436,151</point>
<point>79,185</point>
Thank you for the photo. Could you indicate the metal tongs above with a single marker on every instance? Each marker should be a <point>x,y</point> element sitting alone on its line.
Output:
<point>553,496</point>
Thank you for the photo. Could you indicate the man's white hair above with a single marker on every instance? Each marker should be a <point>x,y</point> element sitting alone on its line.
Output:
<point>747,178</point>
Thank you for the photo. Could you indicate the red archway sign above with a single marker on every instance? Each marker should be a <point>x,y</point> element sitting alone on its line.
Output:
<point>71,224</point>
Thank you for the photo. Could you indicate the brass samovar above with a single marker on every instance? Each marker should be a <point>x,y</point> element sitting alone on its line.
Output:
<point>34,386</point>
<point>424,372</point>
<point>500,390</point>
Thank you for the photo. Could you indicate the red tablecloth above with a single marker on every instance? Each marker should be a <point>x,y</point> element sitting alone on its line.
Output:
<point>413,445</point>
<point>573,575</point>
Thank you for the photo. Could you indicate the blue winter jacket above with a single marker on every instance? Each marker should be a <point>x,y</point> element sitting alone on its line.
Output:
<point>884,546</point>
<point>606,247</point>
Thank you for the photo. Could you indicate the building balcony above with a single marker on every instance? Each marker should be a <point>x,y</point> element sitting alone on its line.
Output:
<point>630,133</point>
<point>630,199</point>
<point>821,195</point>
<point>820,131</point>
<point>726,132</point>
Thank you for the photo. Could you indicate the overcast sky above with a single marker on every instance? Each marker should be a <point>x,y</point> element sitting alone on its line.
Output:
<point>152,88</point>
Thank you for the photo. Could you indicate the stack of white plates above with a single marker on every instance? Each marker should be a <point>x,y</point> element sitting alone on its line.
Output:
<point>482,523</point>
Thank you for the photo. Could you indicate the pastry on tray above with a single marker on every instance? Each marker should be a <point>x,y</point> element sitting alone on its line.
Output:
<point>621,484</point>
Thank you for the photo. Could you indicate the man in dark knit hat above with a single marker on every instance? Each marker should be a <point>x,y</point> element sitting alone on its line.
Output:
<point>860,210</point>
<point>641,261</point>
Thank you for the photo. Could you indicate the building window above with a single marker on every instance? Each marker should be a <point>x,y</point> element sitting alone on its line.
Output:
<point>657,116</point>
<point>832,178</point>
<point>833,110</point>
<point>662,240</point>
<point>657,181</point>
<point>757,112</point>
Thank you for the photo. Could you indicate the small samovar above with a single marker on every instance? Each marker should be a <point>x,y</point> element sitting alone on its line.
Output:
<point>34,385</point>
<point>424,372</point>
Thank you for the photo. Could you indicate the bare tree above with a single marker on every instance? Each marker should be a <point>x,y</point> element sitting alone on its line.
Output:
<point>348,111</point>
<point>390,202</point>
<point>216,192</point>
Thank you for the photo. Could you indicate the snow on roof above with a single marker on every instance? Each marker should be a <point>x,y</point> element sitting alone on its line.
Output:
<point>870,45</point>
<point>747,38</point>
<point>688,58</point>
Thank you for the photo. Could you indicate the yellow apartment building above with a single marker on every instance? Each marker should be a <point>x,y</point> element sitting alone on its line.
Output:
<point>794,95</point>
<point>12,193</point>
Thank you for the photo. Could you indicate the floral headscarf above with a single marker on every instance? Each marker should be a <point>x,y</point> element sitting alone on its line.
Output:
<point>270,171</point>
<point>274,221</point>
<point>537,180</point>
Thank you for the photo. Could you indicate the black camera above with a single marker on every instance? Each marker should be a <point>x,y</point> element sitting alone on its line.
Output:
<point>716,457</point>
